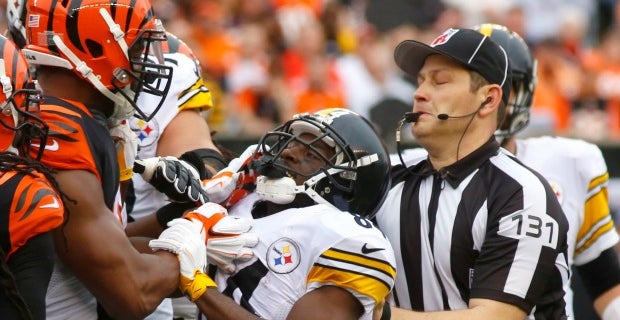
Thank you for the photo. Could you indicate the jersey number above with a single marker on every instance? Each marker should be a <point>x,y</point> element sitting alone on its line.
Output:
<point>543,229</point>
<point>362,221</point>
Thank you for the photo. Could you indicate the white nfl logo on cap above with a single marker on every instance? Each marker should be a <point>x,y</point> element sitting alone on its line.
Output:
<point>444,37</point>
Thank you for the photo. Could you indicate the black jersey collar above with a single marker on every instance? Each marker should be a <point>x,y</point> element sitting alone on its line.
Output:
<point>456,172</point>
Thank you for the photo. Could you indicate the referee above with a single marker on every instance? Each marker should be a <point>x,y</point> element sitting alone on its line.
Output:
<point>477,235</point>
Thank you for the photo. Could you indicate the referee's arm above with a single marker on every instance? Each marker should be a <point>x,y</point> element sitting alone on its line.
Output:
<point>480,309</point>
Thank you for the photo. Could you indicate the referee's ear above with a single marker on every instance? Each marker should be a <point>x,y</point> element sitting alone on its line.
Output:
<point>492,102</point>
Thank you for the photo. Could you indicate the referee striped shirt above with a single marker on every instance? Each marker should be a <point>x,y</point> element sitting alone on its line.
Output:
<point>485,227</point>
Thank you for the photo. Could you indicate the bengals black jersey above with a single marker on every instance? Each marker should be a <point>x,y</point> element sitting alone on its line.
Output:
<point>78,140</point>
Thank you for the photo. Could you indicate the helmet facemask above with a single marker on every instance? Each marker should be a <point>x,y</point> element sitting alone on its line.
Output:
<point>326,183</point>
<point>115,46</point>
<point>517,115</point>
<point>30,132</point>
<point>148,75</point>
<point>524,78</point>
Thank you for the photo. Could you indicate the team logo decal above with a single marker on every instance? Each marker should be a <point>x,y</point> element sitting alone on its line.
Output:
<point>283,256</point>
<point>328,115</point>
<point>558,190</point>
<point>147,132</point>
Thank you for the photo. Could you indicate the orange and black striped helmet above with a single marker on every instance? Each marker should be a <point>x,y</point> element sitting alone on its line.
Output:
<point>113,44</point>
<point>20,126</point>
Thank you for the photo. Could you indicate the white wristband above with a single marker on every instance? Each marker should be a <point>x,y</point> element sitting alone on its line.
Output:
<point>612,311</point>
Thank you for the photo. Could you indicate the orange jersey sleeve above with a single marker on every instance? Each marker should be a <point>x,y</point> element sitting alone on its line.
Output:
<point>29,207</point>
<point>67,144</point>
<point>79,140</point>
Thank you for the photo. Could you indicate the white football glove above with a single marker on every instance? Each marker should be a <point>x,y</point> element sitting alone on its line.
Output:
<point>186,239</point>
<point>126,142</point>
<point>177,179</point>
<point>227,237</point>
<point>233,182</point>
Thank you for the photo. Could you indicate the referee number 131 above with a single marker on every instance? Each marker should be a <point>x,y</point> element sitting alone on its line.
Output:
<point>542,228</point>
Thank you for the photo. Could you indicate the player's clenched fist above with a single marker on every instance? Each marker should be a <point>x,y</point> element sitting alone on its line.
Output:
<point>186,239</point>
<point>177,179</point>
<point>227,238</point>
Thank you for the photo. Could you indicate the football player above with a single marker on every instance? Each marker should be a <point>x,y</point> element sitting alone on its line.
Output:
<point>577,172</point>
<point>321,177</point>
<point>30,202</point>
<point>94,59</point>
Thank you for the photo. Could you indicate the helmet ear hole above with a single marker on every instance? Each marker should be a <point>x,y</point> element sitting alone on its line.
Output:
<point>94,48</point>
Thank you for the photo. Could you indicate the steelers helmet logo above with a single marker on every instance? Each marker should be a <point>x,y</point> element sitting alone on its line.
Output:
<point>557,190</point>
<point>147,132</point>
<point>283,256</point>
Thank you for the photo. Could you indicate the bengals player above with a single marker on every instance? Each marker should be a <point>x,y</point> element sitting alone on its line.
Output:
<point>94,59</point>
<point>90,59</point>
<point>30,202</point>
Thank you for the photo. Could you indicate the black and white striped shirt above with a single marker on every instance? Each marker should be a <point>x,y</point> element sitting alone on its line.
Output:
<point>485,227</point>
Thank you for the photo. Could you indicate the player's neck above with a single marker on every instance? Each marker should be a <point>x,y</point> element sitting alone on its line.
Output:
<point>511,145</point>
<point>64,84</point>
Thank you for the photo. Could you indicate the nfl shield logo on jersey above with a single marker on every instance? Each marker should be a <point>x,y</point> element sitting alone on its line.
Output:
<point>283,256</point>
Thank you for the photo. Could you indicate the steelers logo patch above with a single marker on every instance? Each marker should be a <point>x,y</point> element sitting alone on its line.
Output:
<point>283,256</point>
<point>147,132</point>
<point>558,190</point>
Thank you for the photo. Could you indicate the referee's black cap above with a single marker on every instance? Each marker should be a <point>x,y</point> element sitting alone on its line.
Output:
<point>468,47</point>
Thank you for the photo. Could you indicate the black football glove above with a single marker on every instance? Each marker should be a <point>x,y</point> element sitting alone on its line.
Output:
<point>177,179</point>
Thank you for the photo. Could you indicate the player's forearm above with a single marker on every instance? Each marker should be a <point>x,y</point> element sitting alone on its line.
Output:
<point>401,314</point>
<point>480,309</point>
<point>607,305</point>
<point>220,307</point>
<point>141,244</point>
<point>123,280</point>
<point>143,289</point>
<point>601,278</point>
<point>145,227</point>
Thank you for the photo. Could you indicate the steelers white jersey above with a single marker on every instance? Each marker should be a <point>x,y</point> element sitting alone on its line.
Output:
<point>577,172</point>
<point>187,91</point>
<point>65,292</point>
<point>303,249</point>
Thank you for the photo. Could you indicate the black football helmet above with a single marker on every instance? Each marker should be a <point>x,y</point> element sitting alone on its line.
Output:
<point>355,179</point>
<point>523,67</point>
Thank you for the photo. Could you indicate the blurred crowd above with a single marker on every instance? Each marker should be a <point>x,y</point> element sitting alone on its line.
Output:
<point>268,59</point>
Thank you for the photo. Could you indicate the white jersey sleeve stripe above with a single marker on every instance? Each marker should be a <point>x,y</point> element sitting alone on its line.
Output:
<point>196,96</point>
<point>597,230</point>
<point>598,181</point>
<point>359,260</point>
<point>361,282</point>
